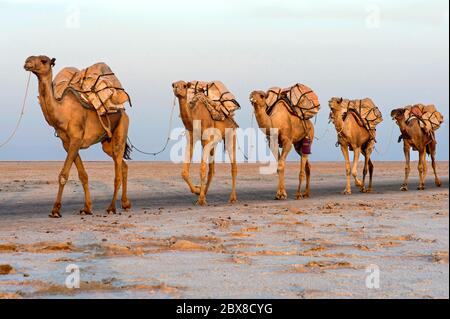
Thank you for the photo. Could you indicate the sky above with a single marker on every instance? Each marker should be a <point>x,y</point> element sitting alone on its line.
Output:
<point>395,52</point>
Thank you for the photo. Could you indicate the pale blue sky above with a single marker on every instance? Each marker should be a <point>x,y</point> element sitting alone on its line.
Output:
<point>336,47</point>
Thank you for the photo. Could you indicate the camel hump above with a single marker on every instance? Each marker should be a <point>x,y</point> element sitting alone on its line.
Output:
<point>62,80</point>
<point>273,95</point>
<point>367,111</point>
<point>218,94</point>
<point>96,86</point>
<point>430,118</point>
<point>303,101</point>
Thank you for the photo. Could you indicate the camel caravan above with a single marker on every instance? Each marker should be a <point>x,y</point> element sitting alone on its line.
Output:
<point>86,107</point>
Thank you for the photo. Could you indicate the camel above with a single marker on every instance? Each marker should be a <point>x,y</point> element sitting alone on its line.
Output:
<point>191,112</point>
<point>291,131</point>
<point>414,137</point>
<point>352,135</point>
<point>79,128</point>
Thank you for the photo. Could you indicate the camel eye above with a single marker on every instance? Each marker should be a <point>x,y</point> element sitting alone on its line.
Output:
<point>44,61</point>
<point>184,86</point>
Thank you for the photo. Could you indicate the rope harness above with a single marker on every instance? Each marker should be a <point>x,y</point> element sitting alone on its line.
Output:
<point>22,112</point>
<point>167,140</point>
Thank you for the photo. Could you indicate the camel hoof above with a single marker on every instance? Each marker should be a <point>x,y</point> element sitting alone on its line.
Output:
<point>363,190</point>
<point>298,196</point>
<point>369,190</point>
<point>54,214</point>
<point>85,211</point>
<point>404,188</point>
<point>201,202</point>
<point>232,199</point>
<point>281,195</point>
<point>438,183</point>
<point>126,205</point>
<point>111,210</point>
<point>421,188</point>
<point>347,192</point>
<point>306,195</point>
<point>196,190</point>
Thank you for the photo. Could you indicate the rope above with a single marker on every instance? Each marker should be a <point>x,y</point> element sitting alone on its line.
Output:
<point>22,112</point>
<point>167,140</point>
<point>323,135</point>
<point>250,138</point>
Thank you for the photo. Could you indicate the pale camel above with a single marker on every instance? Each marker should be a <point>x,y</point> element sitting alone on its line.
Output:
<point>291,131</point>
<point>79,128</point>
<point>352,135</point>
<point>198,121</point>
<point>414,137</point>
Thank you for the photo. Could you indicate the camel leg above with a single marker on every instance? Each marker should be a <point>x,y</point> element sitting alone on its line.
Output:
<point>231,149</point>
<point>201,201</point>
<point>370,189</point>
<point>422,167</point>
<point>126,204</point>
<point>72,153</point>
<point>356,154</point>
<point>348,188</point>
<point>308,179</point>
<point>302,174</point>
<point>281,193</point>
<point>368,167</point>
<point>211,165</point>
<point>82,175</point>
<point>406,151</point>
<point>187,164</point>
<point>108,149</point>
<point>437,181</point>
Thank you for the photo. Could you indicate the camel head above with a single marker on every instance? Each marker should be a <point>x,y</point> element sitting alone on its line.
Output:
<point>398,114</point>
<point>258,99</point>
<point>337,108</point>
<point>39,65</point>
<point>180,89</point>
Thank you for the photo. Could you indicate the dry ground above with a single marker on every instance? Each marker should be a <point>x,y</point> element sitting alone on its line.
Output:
<point>167,247</point>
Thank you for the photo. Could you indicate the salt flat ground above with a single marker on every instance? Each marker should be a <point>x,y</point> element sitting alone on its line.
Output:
<point>166,247</point>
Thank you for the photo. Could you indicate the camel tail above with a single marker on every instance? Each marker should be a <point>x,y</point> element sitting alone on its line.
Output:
<point>127,153</point>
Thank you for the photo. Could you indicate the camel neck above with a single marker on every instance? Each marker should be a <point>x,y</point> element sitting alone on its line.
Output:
<point>404,128</point>
<point>263,119</point>
<point>185,113</point>
<point>46,98</point>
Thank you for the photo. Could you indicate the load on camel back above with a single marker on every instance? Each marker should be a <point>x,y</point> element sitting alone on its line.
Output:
<point>96,87</point>
<point>299,98</point>
<point>430,119</point>
<point>368,114</point>
<point>220,102</point>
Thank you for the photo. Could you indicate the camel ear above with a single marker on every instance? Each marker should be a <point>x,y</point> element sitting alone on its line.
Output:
<point>52,62</point>
<point>394,113</point>
<point>340,100</point>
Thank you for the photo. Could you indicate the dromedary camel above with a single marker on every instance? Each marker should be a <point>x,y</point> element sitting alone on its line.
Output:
<point>193,112</point>
<point>351,135</point>
<point>291,131</point>
<point>413,136</point>
<point>79,128</point>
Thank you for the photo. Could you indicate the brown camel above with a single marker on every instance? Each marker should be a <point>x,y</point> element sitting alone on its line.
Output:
<point>352,135</point>
<point>291,131</point>
<point>197,120</point>
<point>414,136</point>
<point>79,128</point>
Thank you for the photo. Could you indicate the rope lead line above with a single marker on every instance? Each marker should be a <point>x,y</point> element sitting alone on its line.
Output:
<point>167,140</point>
<point>22,112</point>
